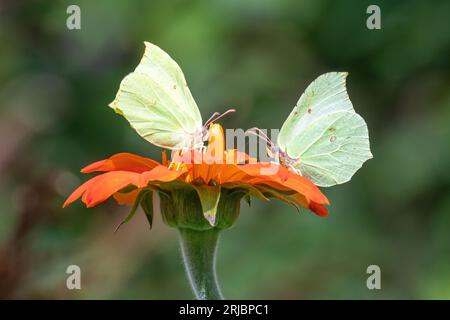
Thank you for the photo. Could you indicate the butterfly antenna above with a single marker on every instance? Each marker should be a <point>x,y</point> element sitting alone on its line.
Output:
<point>260,134</point>
<point>216,116</point>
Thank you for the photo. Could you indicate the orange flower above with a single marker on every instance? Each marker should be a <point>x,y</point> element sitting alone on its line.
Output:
<point>127,175</point>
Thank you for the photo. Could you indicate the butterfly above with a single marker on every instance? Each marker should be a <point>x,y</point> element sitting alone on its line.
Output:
<point>156,101</point>
<point>323,138</point>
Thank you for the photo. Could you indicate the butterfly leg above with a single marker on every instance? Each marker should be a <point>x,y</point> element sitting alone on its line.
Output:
<point>177,165</point>
<point>296,171</point>
<point>175,160</point>
<point>170,164</point>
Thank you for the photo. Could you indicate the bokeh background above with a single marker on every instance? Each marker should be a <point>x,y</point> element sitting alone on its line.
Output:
<point>257,56</point>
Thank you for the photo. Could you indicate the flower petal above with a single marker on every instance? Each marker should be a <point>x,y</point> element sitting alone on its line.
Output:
<point>122,161</point>
<point>232,173</point>
<point>78,192</point>
<point>285,178</point>
<point>161,174</point>
<point>105,185</point>
<point>237,157</point>
<point>301,199</point>
<point>319,209</point>
<point>315,207</point>
<point>127,198</point>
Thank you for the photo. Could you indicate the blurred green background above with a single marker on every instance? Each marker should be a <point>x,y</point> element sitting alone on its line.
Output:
<point>256,56</point>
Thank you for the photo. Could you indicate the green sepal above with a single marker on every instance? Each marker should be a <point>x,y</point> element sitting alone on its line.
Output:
<point>251,190</point>
<point>135,206</point>
<point>209,199</point>
<point>248,199</point>
<point>147,206</point>
<point>272,193</point>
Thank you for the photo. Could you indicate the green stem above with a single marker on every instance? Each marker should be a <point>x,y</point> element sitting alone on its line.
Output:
<point>199,255</point>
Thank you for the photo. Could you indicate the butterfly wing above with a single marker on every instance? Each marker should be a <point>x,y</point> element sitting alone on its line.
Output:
<point>156,101</point>
<point>325,132</point>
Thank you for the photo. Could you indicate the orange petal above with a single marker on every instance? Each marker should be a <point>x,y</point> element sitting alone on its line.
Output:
<point>78,192</point>
<point>159,174</point>
<point>301,199</point>
<point>319,209</point>
<point>122,161</point>
<point>101,187</point>
<point>232,173</point>
<point>285,178</point>
<point>105,185</point>
<point>234,156</point>
<point>206,172</point>
<point>128,197</point>
<point>99,182</point>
